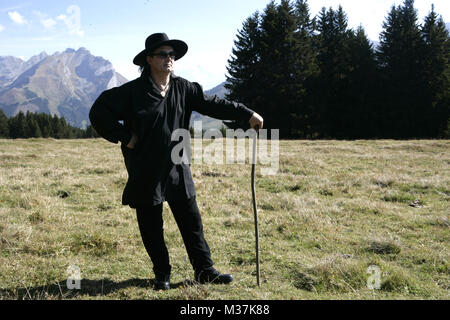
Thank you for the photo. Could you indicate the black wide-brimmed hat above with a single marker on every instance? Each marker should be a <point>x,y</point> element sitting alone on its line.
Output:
<point>157,40</point>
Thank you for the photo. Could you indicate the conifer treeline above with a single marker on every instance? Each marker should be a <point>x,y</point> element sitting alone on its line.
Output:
<point>316,78</point>
<point>41,125</point>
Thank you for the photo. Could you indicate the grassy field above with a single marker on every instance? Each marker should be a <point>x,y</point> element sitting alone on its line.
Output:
<point>334,209</point>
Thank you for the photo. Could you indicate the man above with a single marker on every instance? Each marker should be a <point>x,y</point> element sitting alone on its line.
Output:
<point>152,107</point>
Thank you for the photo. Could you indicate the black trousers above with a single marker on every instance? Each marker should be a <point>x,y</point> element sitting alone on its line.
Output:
<point>187,216</point>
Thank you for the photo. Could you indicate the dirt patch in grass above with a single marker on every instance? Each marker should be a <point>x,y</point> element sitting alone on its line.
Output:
<point>383,247</point>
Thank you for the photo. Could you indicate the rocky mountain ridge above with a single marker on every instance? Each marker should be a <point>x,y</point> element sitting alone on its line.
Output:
<point>65,84</point>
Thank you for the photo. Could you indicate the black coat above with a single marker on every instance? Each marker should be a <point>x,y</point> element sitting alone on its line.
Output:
<point>152,176</point>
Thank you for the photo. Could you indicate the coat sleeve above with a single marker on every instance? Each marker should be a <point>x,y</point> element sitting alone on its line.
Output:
<point>215,107</point>
<point>109,108</point>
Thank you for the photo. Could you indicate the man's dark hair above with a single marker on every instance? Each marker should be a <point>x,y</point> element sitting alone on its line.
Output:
<point>145,68</point>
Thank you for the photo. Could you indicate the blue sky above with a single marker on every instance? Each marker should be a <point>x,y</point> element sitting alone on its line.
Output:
<point>116,30</point>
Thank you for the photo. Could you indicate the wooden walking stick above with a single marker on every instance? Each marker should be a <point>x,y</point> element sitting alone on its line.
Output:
<point>255,209</point>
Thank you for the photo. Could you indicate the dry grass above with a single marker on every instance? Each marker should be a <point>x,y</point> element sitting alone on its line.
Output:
<point>334,209</point>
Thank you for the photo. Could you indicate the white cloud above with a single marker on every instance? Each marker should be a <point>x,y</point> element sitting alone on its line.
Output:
<point>17,17</point>
<point>73,22</point>
<point>48,23</point>
<point>45,20</point>
<point>2,28</point>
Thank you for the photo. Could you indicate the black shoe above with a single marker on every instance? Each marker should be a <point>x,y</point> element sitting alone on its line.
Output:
<point>162,282</point>
<point>212,276</point>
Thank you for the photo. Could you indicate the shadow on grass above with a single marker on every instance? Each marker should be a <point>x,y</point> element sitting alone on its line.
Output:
<point>88,287</point>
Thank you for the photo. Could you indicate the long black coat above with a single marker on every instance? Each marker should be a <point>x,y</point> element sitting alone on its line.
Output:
<point>152,176</point>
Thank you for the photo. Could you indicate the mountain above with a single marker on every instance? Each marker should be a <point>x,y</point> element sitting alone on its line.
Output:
<point>218,90</point>
<point>12,67</point>
<point>65,84</point>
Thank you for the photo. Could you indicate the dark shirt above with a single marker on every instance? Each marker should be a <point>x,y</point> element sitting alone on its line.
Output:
<point>152,176</point>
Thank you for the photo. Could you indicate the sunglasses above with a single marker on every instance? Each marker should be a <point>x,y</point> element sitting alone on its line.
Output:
<point>164,54</point>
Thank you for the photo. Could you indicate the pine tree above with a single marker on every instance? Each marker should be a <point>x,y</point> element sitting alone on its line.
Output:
<point>20,126</point>
<point>363,87</point>
<point>91,133</point>
<point>400,55</point>
<point>291,72</point>
<point>264,73</point>
<point>57,130</point>
<point>32,126</point>
<point>436,75</point>
<point>269,76</point>
<point>29,125</point>
<point>243,66</point>
<point>306,70</point>
<point>45,125</point>
<point>305,25</point>
<point>4,126</point>
<point>335,64</point>
<point>281,77</point>
<point>64,134</point>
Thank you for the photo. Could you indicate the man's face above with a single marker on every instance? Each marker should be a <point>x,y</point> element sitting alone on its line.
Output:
<point>162,60</point>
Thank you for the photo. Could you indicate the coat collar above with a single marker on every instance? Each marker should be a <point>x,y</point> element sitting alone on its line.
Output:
<point>149,86</point>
